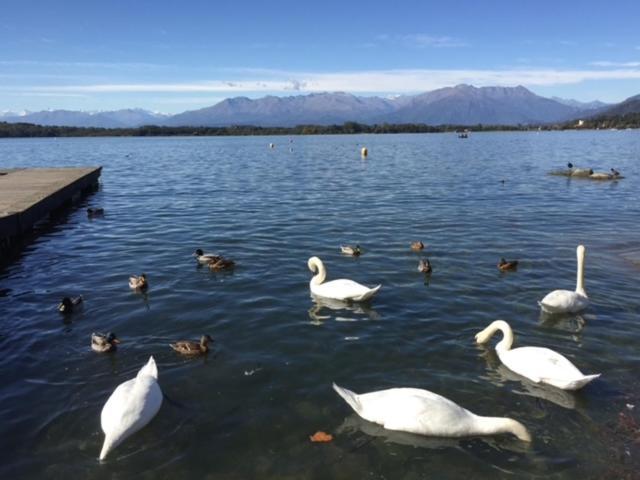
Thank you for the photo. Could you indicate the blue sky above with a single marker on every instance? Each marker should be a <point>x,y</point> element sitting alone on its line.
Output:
<point>176,56</point>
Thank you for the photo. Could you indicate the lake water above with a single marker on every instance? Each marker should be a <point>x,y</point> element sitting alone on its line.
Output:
<point>247,409</point>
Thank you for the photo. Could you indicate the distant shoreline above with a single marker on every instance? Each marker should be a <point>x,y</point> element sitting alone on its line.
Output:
<point>28,130</point>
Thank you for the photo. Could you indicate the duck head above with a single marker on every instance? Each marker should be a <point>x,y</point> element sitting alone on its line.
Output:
<point>198,253</point>
<point>66,305</point>
<point>205,339</point>
<point>111,338</point>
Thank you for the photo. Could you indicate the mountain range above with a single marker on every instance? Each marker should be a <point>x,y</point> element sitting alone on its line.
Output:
<point>459,105</point>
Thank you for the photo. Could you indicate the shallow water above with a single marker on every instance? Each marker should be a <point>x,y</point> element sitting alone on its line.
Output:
<point>246,410</point>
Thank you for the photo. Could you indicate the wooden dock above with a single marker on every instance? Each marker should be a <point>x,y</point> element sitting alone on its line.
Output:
<point>27,195</point>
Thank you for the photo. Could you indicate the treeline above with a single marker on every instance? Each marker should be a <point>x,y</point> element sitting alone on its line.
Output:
<point>31,130</point>
<point>603,122</point>
<point>17,130</point>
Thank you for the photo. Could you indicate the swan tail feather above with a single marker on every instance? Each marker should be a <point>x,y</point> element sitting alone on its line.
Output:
<point>368,294</point>
<point>150,369</point>
<point>578,384</point>
<point>350,397</point>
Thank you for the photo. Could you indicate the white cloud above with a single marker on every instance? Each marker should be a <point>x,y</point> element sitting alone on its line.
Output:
<point>374,81</point>
<point>422,40</point>
<point>615,64</point>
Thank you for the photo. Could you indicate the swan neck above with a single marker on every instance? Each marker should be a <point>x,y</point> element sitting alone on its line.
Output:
<point>321,275</point>
<point>507,335</point>
<point>495,425</point>
<point>580,274</point>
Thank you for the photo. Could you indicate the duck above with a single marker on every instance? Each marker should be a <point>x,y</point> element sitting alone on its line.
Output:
<point>131,406</point>
<point>139,283</point>
<point>578,172</point>
<point>94,212</point>
<point>424,266</point>
<point>615,173</point>
<point>417,246</point>
<point>102,343</point>
<point>601,176</point>
<point>68,304</point>
<point>538,364</point>
<point>349,250</point>
<point>221,264</point>
<point>343,289</point>
<point>205,258</point>
<point>503,265</point>
<point>566,301</point>
<point>422,412</point>
<point>188,347</point>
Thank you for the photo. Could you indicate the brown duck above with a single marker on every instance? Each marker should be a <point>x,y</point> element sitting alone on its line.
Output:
<point>189,347</point>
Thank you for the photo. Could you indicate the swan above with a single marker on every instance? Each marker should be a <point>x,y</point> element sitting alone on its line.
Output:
<point>565,301</point>
<point>426,413</point>
<point>130,407</point>
<point>538,364</point>
<point>345,290</point>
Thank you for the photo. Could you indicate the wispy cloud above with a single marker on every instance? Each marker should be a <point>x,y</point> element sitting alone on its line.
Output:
<point>422,40</point>
<point>374,81</point>
<point>110,65</point>
<point>615,64</point>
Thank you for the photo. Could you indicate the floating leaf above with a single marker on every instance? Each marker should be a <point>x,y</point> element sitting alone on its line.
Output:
<point>321,437</point>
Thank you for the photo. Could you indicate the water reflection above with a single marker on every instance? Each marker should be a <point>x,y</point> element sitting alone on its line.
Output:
<point>354,423</point>
<point>499,374</point>
<point>565,322</point>
<point>322,310</point>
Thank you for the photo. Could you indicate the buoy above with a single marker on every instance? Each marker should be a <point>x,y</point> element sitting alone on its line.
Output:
<point>364,152</point>
<point>271,145</point>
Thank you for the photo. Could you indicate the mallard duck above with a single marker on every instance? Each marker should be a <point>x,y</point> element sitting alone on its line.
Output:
<point>94,212</point>
<point>205,258</point>
<point>424,266</point>
<point>131,406</point>
<point>503,265</point>
<point>188,347</point>
<point>221,264</point>
<point>102,343</point>
<point>349,250</point>
<point>417,246</point>
<point>68,305</point>
<point>138,283</point>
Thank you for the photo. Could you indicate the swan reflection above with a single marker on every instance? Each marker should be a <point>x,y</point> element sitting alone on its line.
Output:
<point>566,322</point>
<point>324,308</point>
<point>354,423</point>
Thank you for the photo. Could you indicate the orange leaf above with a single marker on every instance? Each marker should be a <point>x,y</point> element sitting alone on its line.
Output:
<point>321,437</point>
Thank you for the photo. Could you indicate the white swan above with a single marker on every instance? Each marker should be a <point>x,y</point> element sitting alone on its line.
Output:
<point>566,301</point>
<point>342,289</point>
<point>423,412</point>
<point>538,364</point>
<point>130,407</point>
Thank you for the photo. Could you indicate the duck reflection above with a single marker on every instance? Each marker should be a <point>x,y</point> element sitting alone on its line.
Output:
<point>323,309</point>
<point>499,374</point>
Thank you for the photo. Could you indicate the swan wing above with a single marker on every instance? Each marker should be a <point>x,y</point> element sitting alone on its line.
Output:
<point>130,407</point>
<point>416,411</point>
<point>560,301</point>
<point>344,289</point>
<point>547,366</point>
